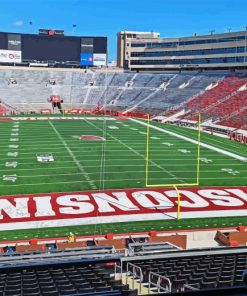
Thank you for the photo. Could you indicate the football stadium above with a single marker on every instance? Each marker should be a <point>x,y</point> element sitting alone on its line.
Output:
<point>128,179</point>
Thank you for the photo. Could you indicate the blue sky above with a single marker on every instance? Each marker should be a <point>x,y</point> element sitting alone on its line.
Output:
<point>172,18</point>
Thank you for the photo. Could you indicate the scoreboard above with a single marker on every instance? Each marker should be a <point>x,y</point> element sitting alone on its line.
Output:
<point>53,48</point>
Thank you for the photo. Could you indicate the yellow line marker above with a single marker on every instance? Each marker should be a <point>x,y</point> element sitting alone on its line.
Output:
<point>147,150</point>
<point>178,202</point>
<point>198,150</point>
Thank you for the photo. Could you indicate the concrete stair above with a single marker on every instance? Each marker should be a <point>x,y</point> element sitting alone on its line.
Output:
<point>142,288</point>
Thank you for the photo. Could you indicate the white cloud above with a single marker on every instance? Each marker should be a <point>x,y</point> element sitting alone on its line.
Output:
<point>19,23</point>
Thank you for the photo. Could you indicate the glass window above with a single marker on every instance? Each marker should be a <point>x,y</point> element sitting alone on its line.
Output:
<point>223,60</point>
<point>189,42</point>
<point>189,52</point>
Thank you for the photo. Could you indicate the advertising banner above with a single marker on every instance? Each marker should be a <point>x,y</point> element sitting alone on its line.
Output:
<point>51,32</point>
<point>99,59</point>
<point>111,206</point>
<point>10,56</point>
<point>86,59</point>
<point>14,42</point>
<point>238,137</point>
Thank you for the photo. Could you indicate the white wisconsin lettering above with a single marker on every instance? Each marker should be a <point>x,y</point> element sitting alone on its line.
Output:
<point>220,197</point>
<point>79,206</point>
<point>197,201</point>
<point>162,202</point>
<point>120,201</point>
<point>238,192</point>
<point>20,210</point>
<point>43,206</point>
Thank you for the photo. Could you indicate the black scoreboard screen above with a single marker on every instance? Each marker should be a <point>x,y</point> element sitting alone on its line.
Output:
<point>44,48</point>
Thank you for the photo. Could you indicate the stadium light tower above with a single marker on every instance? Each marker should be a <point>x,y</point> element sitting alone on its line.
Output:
<point>211,32</point>
<point>229,30</point>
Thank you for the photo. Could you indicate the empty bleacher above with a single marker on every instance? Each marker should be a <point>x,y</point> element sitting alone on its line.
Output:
<point>223,102</point>
<point>100,267</point>
<point>190,271</point>
<point>153,93</point>
<point>64,271</point>
<point>220,99</point>
<point>73,279</point>
<point>238,120</point>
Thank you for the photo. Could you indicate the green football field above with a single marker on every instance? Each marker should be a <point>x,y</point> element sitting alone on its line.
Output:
<point>117,161</point>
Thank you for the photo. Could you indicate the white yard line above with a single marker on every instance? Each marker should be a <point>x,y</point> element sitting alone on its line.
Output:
<point>123,151</point>
<point>116,180</point>
<point>116,165</point>
<point>110,172</point>
<point>80,167</point>
<point>210,147</point>
<point>124,160</point>
<point>120,156</point>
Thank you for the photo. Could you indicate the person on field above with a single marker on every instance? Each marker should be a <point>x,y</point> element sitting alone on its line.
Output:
<point>71,238</point>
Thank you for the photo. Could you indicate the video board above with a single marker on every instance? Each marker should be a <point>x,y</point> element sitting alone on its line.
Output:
<point>86,51</point>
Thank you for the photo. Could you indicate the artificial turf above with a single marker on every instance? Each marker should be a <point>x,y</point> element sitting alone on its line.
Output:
<point>124,227</point>
<point>118,162</point>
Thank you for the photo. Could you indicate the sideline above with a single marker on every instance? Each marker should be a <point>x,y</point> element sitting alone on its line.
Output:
<point>210,147</point>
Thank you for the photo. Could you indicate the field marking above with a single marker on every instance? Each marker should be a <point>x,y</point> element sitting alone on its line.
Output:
<point>12,154</point>
<point>59,146</point>
<point>116,165</point>
<point>230,144</point>
<point>109,149</point>
<point>13,164</point>
<point>132,159</point>
<point>219,143</point>
<point>10,178</point>
<point>93,173</point>
<point>89,157</point>
<point>230,171</point>
<point>210,147</point>
<point>80,167</point>
<point>122,152</point>
<point>110,180</point>
<point>206,160</point>
<point>134,143</point>
<point>139,154</point>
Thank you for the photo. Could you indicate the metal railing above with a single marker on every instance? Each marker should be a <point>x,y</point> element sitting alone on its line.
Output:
<point>135,272</point>
<point>162,283</point>
<point>190,287</point>
<point>118,271</point>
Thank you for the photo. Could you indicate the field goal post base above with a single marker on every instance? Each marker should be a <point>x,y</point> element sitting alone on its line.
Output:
<point>175,186</point>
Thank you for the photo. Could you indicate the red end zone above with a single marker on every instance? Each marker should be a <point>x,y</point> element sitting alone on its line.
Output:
<point>111,206</point>
<point>5,118</point>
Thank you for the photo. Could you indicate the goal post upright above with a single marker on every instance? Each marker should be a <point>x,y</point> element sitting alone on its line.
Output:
<point>174,185</point>
<point>198,150</point>
<point>147,149</point>
<point>178,201</point>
